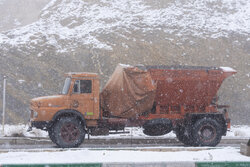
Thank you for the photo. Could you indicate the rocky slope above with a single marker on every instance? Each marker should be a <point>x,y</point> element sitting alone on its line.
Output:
<point>87,35</point>
<point>17,13</point>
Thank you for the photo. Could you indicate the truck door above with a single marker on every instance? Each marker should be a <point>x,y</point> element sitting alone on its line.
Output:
<point>82,98</point>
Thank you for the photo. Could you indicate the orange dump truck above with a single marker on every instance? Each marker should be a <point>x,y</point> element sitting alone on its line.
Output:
<point>157,98</point>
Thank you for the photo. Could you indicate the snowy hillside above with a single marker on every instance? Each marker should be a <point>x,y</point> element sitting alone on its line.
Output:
<point>94,36</point>
<point>17,13</point>
<point>83,22</point>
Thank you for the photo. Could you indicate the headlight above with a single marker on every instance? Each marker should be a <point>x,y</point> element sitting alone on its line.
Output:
<point>35,104</point>
<point>39,104</point>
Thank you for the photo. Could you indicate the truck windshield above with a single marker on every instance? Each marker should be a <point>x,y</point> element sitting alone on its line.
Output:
<point>66,86</point>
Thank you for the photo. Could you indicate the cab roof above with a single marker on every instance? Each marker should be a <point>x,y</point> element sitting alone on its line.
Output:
<point>81,74</point>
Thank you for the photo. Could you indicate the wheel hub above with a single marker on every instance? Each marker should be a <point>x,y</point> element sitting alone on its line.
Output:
<point>69,132</point>
<point>207,133</point>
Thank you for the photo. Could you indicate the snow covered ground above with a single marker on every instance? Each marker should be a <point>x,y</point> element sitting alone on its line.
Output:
<point>236,131</point>
<point>102,155</point>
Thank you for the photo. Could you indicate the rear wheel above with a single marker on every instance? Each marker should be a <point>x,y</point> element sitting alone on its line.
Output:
<point>207,132</point>
<point>183,135</point>
<point>69,132</point>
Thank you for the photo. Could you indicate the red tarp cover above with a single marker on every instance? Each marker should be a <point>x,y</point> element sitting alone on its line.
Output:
<point>128,93</point>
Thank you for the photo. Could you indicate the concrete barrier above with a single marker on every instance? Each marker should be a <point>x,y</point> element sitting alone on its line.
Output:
<point>245,149</point>
<point>108,141</point>
<point>24,140</point>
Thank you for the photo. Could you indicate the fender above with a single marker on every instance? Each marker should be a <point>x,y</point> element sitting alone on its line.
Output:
<point>68,112</point>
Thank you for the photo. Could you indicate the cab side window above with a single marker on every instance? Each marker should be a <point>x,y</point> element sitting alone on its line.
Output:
<point>83,86</point>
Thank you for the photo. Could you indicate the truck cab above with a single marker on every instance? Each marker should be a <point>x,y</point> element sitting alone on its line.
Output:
<point>78,101</point>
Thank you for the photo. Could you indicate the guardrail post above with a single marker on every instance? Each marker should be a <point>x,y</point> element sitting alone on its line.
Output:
<point>3,114</point>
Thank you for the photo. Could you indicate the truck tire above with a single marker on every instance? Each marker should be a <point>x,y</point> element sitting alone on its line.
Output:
<point>152,131</point>
<point>183,137</point>
<point>69,132</point>
<point>206,132</point>
<point>51,134</point>
<point>157,127</point>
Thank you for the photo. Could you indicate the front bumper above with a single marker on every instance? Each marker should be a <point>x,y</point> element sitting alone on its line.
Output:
<point>39,124</point>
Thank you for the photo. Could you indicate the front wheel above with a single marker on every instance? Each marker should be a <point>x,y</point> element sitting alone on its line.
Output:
<point>69,132</point>
<point>51,134</point>
<point>207,132</point>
